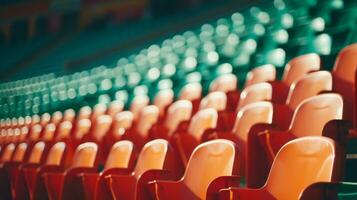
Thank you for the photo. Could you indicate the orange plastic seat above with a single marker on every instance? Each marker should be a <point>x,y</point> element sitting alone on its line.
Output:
<point>344,80</point>
<point>84,113</point>
<point>216,100</point>
<point>49,132</point>
<point>66,184</point>
<point>255,93</point>
<point>185,141</point>
<point>192,92</point>
<point>82,128</point>
<point>115,107</point>
<point>64,131</point>
<point>56,117</point>
<point>138,103</point>
<point>99,129</point>
<point>45,119</point>
<point>298,164</point>
<point>163,100</point>
<point>309,119</point>
<point>139,133</point>
<point>7,152</point>
<point>209,161</point>
<point>121,123</point>
<point>98,110</point>
<point>264,73</point>
<point>224,83</point>
<point>33,172</point>
<point>154,157</point>
<point>120,157</point>
<point>69,115</point>
<point>294,69</point>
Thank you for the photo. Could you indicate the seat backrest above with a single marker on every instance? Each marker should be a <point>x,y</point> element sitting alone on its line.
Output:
<point>36,153</point>
<point>313,113</point>
<point>209,161</point>
<point>216,100</point>
<point>138,103</point>
<point>56,117</point>
<point>299,66</point>
<point>85,112</point>
<point>49,132</point>
<point>247,117</point>
<point>45,119</point>
<point>224,83</point>
<point>7,152</point>
<point>101,126</point>
<point>261,74</point>
<point>115,107</point>
<point>98,110</point>
<point>64,130</point>
<point>85,155</point>
<point>254,93</point>
<point>149,115</point>
<point>201,121</point>
<point>55,154</point>
<point>346,64</point>
<point>178,112</point>
<point>124,120</point>
<point>298,164</point>
<point>119,155</point>
<point>307,86</point>
<point>152,156</point>
<point>19,153</point>
<point>24,131</point>
<point>69,115</point>
<point>35,132</point>
<point>163,99</point>
<point>35,119</point>
<point>191,91</point>
<point>83,127</point>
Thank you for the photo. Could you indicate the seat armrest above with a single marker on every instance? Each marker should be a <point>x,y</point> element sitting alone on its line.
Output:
<point>174,190</point>
<point>321,191</point>
<point>54,185</point>
<point>142,192</point>
<point>234,193</point>
<point>220,183</point>
<point>89,183</point>
<point>121,186</point>
<point>273,140</point>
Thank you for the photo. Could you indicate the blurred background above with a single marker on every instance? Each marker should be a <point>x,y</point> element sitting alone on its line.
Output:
<point>64,36</point>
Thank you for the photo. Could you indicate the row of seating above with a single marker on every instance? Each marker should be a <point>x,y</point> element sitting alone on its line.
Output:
<point>257,133</point>
<point>233,44</point>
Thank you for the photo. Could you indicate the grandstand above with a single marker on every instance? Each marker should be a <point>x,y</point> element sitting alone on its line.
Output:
<point>156,100</point>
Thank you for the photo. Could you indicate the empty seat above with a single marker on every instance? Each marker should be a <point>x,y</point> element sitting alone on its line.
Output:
<point>163,100</point>
<point>309,119</point>
<point>254,93</point>
<point>298,164</point>
<point>154,157</point>
<point>120,157</point>
<point>137,104</point>
<point>208,161</point>
<point>264,73</point>
<point>66,184</point>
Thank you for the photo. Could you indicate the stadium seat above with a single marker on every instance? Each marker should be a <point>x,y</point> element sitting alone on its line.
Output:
<point>154,160</point>
<point>264,73</point>
<point>66,184</point>
<point>286,180</point>
<point>120,158</point>
<point>209,161</point>
<point>263,146</point>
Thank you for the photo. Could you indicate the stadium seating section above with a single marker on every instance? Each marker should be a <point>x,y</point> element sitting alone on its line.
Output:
<point>260,104</point>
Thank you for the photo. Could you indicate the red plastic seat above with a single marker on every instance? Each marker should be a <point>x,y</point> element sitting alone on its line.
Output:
<point>208,162</point>
<point>192,92</point>
<point>163,100</point>
<point>154,157</point>
<point>298,164</point>
<point>294,69</point>
<point>120,157</point>
<point>66,184</point>
<point>309,119</point>
<point>138,103</point>
<point>228,84</point>
<point>264,73</point>
<point>115,107</point>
